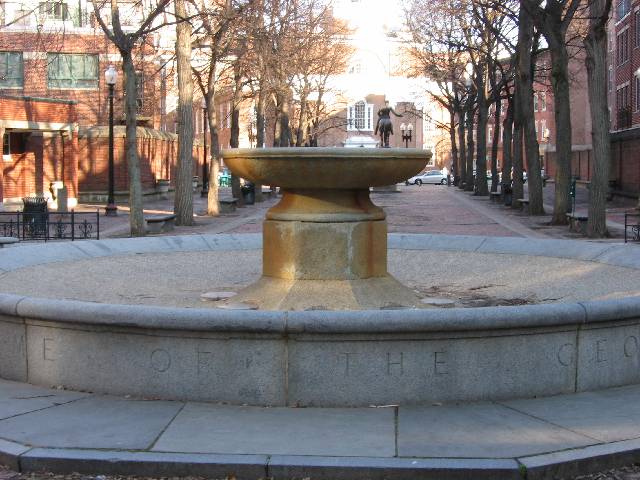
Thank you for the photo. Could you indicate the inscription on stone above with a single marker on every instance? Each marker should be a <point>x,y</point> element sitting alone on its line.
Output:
<point>565,354</point>
<point>440,363</point>
<point>600,351</point>
<point>395,363</point>
<point>48,345</point>
<point>204,361</point>
<point>631,346</point>
<point>160,360</point>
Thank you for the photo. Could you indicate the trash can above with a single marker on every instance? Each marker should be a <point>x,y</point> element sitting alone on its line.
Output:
<point>248,193</point>
<point>34,216</point>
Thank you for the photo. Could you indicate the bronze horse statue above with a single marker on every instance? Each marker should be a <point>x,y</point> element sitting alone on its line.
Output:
<point>384,125</point>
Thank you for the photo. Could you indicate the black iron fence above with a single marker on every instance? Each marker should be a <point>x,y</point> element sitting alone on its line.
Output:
<point>27,225</point>
<point>632,222</point>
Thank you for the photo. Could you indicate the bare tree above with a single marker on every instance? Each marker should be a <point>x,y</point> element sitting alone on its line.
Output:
<point>595,44</point>
<point>126,43</point>
<point>183,200</point>
<point>553,18</point>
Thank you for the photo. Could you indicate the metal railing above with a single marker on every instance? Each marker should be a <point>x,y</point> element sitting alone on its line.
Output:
<point>634,226</point>
<point>50,225</point>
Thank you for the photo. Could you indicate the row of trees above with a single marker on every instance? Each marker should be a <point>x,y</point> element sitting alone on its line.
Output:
<point>485,57</point>
<point>280,54</point>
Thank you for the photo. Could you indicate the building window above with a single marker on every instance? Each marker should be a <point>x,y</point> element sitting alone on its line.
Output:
<point>543,130</point>
<point>622,52</point>
<point>490,133</point>
<point>535,102</point>
<point>623,7</point>
<point>11,70</point>
<point>637,90</point>
<point>537,129</point>
<point>72,70</point>
<point>54,11</point>
<point>139,91</point>
<point>542,101</point>
<point>637,28</point>
<point>623,107</point>
<point>359,116</point>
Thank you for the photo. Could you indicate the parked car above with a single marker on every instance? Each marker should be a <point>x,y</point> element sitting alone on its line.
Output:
<point>432,176</point>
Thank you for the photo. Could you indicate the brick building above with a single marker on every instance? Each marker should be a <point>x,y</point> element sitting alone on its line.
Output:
<point>624,96</point>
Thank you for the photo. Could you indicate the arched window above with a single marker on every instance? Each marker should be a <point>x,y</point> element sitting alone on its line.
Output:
<point>359,116</point>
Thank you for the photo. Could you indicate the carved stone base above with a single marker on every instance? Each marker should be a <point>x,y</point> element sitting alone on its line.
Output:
<point>375,293</point>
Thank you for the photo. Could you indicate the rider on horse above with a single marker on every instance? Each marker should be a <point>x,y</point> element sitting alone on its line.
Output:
<point>384,124</point>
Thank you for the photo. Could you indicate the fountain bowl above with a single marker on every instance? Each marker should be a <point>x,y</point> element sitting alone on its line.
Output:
<point>326,168</point>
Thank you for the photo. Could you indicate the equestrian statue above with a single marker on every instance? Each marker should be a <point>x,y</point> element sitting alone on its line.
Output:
<point>384,124</point>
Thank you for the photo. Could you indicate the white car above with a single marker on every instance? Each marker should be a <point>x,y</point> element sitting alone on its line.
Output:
<point>432,176</point>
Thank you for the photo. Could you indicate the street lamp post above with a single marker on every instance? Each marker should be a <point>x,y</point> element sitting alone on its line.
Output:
<point>406,131</point>
<point>111,76</point>
<point>205,170</point>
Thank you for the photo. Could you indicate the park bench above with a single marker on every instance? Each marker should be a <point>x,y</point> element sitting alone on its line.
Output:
<point>8,241</point>
<point>160,223</point>
<point>523,202</point>
<point>495,196</point>
<point>632,222</point>
<point>577,222</point>
<point>227,205</point>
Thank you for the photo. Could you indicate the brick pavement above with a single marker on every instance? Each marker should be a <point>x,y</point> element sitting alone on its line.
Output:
<point>426,209</point>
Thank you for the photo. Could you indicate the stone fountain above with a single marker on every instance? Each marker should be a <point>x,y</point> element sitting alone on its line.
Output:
<point>325,325</point>
<point>325,242</point>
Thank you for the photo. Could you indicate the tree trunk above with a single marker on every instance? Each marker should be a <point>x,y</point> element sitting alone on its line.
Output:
<point>260,135</point>
<point>560,83</point>
<point>136,218</point>
<point>524,79</point>
<point>462,171</point>
<point>516,180</point>
<point>213,207</point>
<point>481,135</point>
<point>260,124</point>
<point>285,128</point>
<point>495,143</point>
<point>454,168</point>
<point>183,200</point>
<point>234,142</point>
<point>507,143</point>
<point>469,180</point>
<point>596,63</point>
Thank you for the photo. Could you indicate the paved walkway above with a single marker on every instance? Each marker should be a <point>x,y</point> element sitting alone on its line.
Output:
<point>425,209</point>
<point>64,431</point>
<point>60,430</point>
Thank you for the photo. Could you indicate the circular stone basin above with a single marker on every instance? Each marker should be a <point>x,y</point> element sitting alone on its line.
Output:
<point>320,358</point>
<point>326,168</point>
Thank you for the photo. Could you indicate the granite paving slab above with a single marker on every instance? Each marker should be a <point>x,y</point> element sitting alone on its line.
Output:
<point>19,398</point>
<point>205,428</point>
<point>95,422</point>
<point>478,430</point>
<point>607,415</point>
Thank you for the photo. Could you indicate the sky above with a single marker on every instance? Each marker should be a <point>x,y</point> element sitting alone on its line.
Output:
<point>376,52</point>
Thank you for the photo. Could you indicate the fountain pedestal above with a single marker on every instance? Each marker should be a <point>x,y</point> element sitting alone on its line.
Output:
<point>325,242</point>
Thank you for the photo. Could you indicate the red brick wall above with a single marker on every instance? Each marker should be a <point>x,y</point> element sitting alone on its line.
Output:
<point>625,167</point>
<point>157,156</point>
<point>92,105</point>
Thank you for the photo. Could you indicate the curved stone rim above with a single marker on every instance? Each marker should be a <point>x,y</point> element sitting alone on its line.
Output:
<point>324,152</point>
<point>319,322</point>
